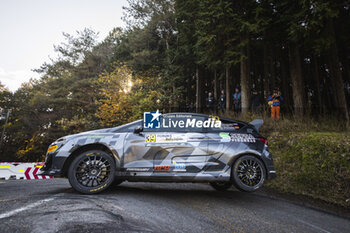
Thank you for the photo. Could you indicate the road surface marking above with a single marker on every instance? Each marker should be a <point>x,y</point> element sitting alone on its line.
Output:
<point>311,225</point>
<point>30,206</point>
<point>118,207</point>
<point>6,200</point>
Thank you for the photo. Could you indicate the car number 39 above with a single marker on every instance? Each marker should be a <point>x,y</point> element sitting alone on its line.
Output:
<point>150,138</point>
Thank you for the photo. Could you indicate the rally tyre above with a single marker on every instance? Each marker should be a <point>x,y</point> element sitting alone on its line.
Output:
<point>92,172</point>
<point>248,173</point>
<point>220,186</point>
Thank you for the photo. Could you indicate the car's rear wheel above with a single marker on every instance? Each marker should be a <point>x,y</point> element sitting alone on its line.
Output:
<point>221,186</point>
<point>248,173</point>
<point>91,172</point>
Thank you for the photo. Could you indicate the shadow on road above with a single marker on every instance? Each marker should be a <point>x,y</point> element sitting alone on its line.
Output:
<point>177,191</point>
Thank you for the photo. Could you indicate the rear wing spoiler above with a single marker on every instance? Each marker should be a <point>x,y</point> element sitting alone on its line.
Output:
<point>257,123</point>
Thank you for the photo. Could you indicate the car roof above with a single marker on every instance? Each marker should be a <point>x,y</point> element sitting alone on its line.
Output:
<point>203,115</point>
<point>186,113</point>
<point>178,113</point>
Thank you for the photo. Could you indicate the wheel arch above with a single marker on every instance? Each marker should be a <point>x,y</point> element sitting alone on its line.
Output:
<point>256,155</point>
<point>87,147</point>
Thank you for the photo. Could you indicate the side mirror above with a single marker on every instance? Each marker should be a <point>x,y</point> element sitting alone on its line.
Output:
<point>138,130</point>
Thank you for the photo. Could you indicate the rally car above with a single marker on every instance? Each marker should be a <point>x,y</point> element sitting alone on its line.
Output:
<point>173,147</point>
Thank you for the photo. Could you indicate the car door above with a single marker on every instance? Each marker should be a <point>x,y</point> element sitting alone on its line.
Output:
<point>166,150</point>
<point>221,144</point>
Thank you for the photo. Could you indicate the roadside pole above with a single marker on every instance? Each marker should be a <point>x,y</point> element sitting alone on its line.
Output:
<point>3,130</point>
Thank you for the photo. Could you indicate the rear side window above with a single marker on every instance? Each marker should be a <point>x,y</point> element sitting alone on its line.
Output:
<point>227,125</point>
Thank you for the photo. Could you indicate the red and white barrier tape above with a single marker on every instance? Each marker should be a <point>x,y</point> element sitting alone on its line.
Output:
<point>30,174</point>
<point>16,170</point>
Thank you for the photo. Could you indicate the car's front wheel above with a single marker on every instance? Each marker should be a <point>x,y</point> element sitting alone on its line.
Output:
<point>92,172</point>
<point>248,173</point>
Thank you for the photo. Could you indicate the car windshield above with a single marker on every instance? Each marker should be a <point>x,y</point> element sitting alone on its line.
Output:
<point>128,127</point>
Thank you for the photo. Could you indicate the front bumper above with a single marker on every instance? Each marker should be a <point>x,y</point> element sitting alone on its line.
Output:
<point>53,165</point>
<point>50,172</point>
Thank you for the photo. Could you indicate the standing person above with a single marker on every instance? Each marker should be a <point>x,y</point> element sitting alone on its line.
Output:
<point>256,101</point>
<point>211,103</point>
<point>275,102</point>
<point>222,101</point>
<point>237,104</point>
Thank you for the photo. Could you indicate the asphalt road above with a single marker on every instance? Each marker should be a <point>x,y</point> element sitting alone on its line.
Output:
<point>53,206</point>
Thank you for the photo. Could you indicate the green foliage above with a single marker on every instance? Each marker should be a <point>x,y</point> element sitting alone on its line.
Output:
<point>311,157</point>
<point>113,107</point>
<point>315,164</point>
<point>124,97</point>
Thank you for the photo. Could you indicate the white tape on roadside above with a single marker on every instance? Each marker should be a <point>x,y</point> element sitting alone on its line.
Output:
<point>16,171</point>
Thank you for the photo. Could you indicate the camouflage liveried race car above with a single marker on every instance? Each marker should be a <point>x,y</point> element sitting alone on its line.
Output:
<point>173,147</point>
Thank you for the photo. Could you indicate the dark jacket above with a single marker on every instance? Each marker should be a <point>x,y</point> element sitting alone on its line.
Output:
<point>222,100</point>
<point>210,102</point>
<point>256,100</point>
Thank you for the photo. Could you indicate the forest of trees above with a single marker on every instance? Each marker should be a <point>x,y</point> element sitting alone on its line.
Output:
<point>172,53</point>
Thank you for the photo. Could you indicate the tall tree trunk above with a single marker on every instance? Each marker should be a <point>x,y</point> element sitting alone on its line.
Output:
<point>175,108</point>
<point>266,73</point>
<point>222,85</point>
<point>285,81</point>
<point>215,85</point>
<point>297,80</point>
<point>272,68</point>
<point>339,92</point>
<point>317,84</point>
<point>228,89</point>
<point>198,91</point>
<point>188,97</point>
<point>245,93</point>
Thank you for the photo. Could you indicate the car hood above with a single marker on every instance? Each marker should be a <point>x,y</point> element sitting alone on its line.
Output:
<point>91,132</point>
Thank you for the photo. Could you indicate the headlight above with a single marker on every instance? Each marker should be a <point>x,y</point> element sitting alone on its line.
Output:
<point>61,139</point>
<point>52,148</point>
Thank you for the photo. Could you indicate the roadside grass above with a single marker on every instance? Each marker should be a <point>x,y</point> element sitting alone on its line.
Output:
<point>311,157</point>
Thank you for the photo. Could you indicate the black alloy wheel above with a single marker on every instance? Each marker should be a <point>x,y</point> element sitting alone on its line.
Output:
<point>248,173</point>
<point>92,172</point>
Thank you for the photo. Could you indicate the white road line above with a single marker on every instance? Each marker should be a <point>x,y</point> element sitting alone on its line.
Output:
<point>118,207</point>
<point>316,227</point>
<point>16,211</point>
